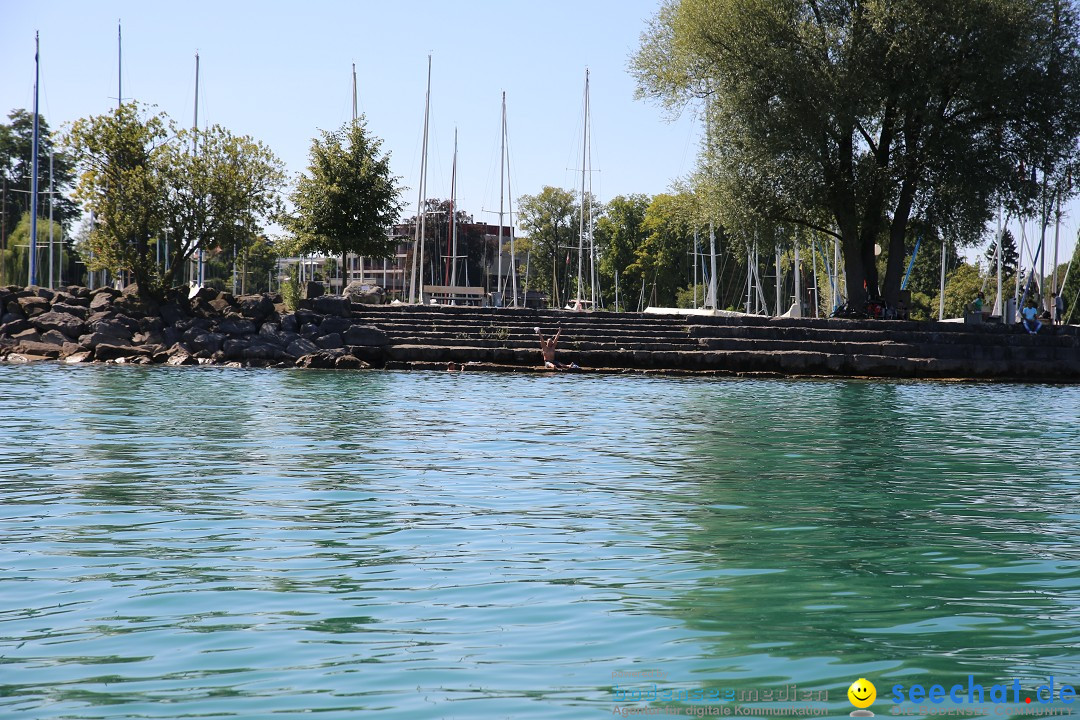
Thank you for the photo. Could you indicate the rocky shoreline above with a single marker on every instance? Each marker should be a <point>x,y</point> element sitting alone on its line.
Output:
<point>78,325</point>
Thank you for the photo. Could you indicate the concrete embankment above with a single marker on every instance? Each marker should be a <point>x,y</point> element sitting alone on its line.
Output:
<point>77,325</point>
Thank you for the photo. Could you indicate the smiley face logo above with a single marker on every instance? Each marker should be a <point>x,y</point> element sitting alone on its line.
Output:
<point>862,694</point>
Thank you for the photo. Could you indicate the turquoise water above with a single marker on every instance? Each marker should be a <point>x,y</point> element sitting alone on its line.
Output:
<point>202,542</point>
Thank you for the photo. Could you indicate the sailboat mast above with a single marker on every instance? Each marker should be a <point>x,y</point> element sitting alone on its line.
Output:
<point>418,241</point>
<point>119,66</point>
<point>509,197</point>
<point>502,196</point>
<point>453,217</point>
<point>34,174</point>
<point>354,115</point>
<point>581,224</point>
<point>195,151</point>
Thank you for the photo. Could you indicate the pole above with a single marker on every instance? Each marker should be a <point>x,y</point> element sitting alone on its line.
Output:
<point>418,240</point>
<point>52,261</point>
<point>999,301</point>
<point>510,210</point>
<point>695,267</point>
<point>616,290</point>
<point>502,195</point>
<point>777,280</point>
<point>34,176</point>
<point>354,115</point>
<point>1057,230</point>
<point>941,291</point>
<point>453,216</point>
<point>798,282</point>
<point>581,214</point>
<point>195,150</point>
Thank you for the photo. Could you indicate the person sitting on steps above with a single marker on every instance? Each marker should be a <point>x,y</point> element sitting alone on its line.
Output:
<point>547,348</point>
<point>1030,319</point>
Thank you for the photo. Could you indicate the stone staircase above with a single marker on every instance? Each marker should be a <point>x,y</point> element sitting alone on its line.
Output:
<point>429,337</point>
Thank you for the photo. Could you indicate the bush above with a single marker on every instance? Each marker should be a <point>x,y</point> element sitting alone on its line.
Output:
<point>290,290</point>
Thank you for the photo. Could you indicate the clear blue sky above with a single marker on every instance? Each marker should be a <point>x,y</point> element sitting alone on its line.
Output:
<point>280,71</point>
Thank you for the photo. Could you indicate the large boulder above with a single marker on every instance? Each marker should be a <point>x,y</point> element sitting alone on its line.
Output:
<point>101,299</point>
<point>330,342</point>
<point>69,325</point>
<point>311,290</point>
<point>319,360</point>
<point>255,307</point>
<point>236,326</point>
<point>350,362</point>
<point>31,347</point>
<point>332,305</point>
<point>367,294</point>
<point>78,311</point>
<point>33,305</point>
<point>300,347</point>
<point>334,325</point>
<point>205,344</point>
<point>365,335</point>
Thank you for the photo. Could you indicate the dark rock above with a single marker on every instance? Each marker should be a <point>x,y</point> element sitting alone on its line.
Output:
<point>11,327</point>
<point>205,344</point>
<point>135,305</point>
<point>54,337</point>
<point>203,293</point>
<point>33,305</point>
<point>311,290</point>
<point>10,316</point>
<point>70,348</point>
<point>30,347</point>
<point>334,325</point>
<point>236,326</point>
<point>233,348</point>
<point>100,301</point>
<point>289,323</point>
<point>69,325</point>
<point>27,334</point>
<point>220,305</point>
<point>94,339</point>
<point>303,317</point>
<point>365,335</point>
<point>301,347</point>
<point>151,324</point>
<point>333,305</point>
<point>105,352</point>
<point>149,338</point>
<point>255,307</point>
<point>44,293</point>
<point>330,342</point>
<point>79,291</point>
<point>113,328</point>
<point>320,360</point>
<point>264,351</point>
<point>350,362</point>
<point>172,313</point>
<point>78,311</point>
<point>310,331</point>
<point>170,336</point>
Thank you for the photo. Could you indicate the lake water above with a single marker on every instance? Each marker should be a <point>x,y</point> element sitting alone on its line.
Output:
<point>204,542</point>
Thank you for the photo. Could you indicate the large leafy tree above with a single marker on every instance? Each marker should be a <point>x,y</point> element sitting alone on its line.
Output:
<point>619,233</point>
<point>16,161</point>
<point>142,178</point>
<point>855,117</point>
<point>549,219</point>
<point>348,199</point>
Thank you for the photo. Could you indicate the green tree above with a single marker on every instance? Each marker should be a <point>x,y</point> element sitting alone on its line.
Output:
<point>1070,291</point>
<point>141,178</point>
<point>549,220</point>
<point>961,287</point>
<point>855,118</point>
<point>1009,255</point>
<point>620,231</point>
<point>348,200</point>
<point>14,260</point>
<point>663,259</point>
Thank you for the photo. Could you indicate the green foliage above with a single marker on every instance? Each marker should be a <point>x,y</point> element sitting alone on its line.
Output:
<point>684,297</point>
<point>548,218</point>
<point>619,233</point>
<point>290,289</point>
<point>14,262</point>
<point>1009,255</point>
<point>140,176</point>
<point>857,118</point>
<point>1070,292</point>
<point>961,287</point>
<point>16,156</point>
<point>348,199</point>
<point>662,259</point>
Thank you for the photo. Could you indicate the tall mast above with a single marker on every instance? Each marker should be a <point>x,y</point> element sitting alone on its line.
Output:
<point>710,297</point>
<point>52,188</point>
<point>581,224</point>
<point>452,267</point>
<point>354,115</point>
<point>502,195</point>
<point>999,306</point>
<point>509,196</point>
<point>418,241</point>
<point>34,176</point>
<point>119,66</point>
<point>195,151</point>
